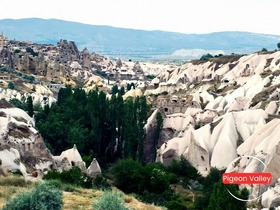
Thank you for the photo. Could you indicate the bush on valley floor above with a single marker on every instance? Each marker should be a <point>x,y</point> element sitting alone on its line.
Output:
<point>42,197</point>
<point>110,201</point>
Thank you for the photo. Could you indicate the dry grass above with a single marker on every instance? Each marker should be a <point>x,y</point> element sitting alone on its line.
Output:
<point>12,185</point>
<point>79,199</point>
<point>82,199</point>
<point>133,203</point>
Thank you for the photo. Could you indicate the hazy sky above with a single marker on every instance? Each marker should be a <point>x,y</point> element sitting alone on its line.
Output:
<point>187,16</point>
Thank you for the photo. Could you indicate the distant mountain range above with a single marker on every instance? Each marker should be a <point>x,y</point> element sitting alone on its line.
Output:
<point>130,43</point>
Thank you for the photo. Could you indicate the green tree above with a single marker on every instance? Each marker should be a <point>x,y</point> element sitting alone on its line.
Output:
<point>107,129</point>
<point>214,176</point>
<point>115,89</point>
<point>159,125</point>
<point>221,199</point>
<point>129,176</point>
<point>206,57</point>
<point>19,104</point>
<point>11,85</point>
<point>121,91</point>
<point>128,86</point>
<point>30,109</point>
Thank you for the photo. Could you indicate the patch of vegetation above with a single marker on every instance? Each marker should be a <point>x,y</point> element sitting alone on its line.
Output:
<point>43,196</point>
<point>197,126</point>
<point>17,51</point>
<point>150,77</point>
<point>206,57</point>
<point>29,78</point>
<point>184,169</point>
<point>72,176</point>
<point>268,62</point>
<point>108,128</point>
<point>62,186</point>
<point>263,95</point>
<point>11,85</point>
<point>152,183</point>
<point>228,88</point>
<point>102,183</point>
<point>16,181</point>
<point>111,201</point>
<point>31,51</point>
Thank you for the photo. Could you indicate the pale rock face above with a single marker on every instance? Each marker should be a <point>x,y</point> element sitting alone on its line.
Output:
<point>205,146</point>
<point>239,104</point>
<point>10,158</point>
<point>178,122</point>
<point>133,93</point>
<point>205,117</point>
<point>263,144</point>
<point>271,108</point>
<point>271,198</point>
<point>38,97</point>
<point>94,169</point>
<point>73,157</point>
<point>92,82</point>
<point>173,149</point>
<point>18,113</point>
<point>198,157</point>
<point>214,104</point>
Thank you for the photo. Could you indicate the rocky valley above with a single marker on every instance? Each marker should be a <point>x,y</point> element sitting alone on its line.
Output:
<point>220,112</point>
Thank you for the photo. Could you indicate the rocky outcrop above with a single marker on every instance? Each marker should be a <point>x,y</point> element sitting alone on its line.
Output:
<point>22,148</point>
<point>205,146</point>
<point>70,158</point>
<point>271,198</point>
<point>94,169</point>
<point>151,140</point>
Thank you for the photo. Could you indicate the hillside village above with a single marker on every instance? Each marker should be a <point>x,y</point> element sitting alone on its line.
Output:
<point>215,111</point>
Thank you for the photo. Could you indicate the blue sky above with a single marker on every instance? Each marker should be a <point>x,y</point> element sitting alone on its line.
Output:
<point>186,16</point>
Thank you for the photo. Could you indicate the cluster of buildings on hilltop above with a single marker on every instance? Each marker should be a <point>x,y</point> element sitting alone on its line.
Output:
<point>62,60</point>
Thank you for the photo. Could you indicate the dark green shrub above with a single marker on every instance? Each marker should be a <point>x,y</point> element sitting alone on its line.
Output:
<point>19,104</point>
<point>11,85</point>
<point>160,199</point>
<point>55,183</point>
<point>215,176</point>
<point>129,176</point>
<point>158,179</point>
<point>46,197</point>
<point>59,185</point>
<point>150,76</point>
<point>20,202</point>
<point>183,167</point>
<point>196,186</point>
<point>42,197</point>
<point>17,51</point>
<point>206,57</point>
<point>151,183</point>
<point>109,201</point>
<point>101,183</point>
<point>31,51</point>
<point>175,205</point>
<point>73,176</point>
